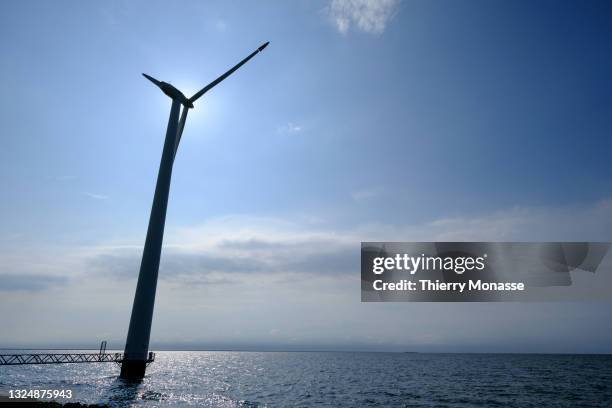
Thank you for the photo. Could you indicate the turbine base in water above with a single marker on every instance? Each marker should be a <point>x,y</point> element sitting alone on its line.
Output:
<point>133,369</point>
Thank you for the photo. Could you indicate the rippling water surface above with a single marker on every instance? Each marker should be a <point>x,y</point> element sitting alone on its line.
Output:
<point>278,379</point>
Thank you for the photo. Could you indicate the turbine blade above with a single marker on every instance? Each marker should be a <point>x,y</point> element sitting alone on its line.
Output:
<point>150,78</point>
<point>228,73</point>
<point>179,130</point>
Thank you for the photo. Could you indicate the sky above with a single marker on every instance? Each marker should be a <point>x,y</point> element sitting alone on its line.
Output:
<point>362,121</point>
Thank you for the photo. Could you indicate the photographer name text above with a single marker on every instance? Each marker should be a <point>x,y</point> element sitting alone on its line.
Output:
<point>459,265</point>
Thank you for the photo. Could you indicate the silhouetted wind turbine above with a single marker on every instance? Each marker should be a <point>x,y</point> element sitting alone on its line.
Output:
<point>136,353</point>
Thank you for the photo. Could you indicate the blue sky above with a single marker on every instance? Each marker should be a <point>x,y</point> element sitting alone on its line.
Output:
<point>361,121</point>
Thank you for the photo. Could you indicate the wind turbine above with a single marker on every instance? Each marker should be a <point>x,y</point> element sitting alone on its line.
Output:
<point>136,355</point>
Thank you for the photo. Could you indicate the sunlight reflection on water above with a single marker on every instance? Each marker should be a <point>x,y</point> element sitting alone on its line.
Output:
<point>252,379</point>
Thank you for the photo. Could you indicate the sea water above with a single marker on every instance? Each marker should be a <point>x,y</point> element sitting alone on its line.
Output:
<point>333,379</point>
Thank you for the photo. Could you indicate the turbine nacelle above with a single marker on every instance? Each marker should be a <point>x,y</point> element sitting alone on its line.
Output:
<point>171,91</point>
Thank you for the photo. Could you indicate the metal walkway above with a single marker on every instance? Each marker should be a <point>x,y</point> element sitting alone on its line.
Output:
<point>63,358</point>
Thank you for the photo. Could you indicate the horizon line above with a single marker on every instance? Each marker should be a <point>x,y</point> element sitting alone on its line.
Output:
<point>319,351</point>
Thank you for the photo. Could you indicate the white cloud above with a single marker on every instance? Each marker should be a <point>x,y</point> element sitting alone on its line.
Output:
<point>289,128</point>
<point>370,16</point>
<point>235,249</point>
<point>96,196</point>
<point>262,274</point>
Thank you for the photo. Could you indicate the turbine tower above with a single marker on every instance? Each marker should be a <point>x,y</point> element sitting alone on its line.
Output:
<point>136,353</point>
